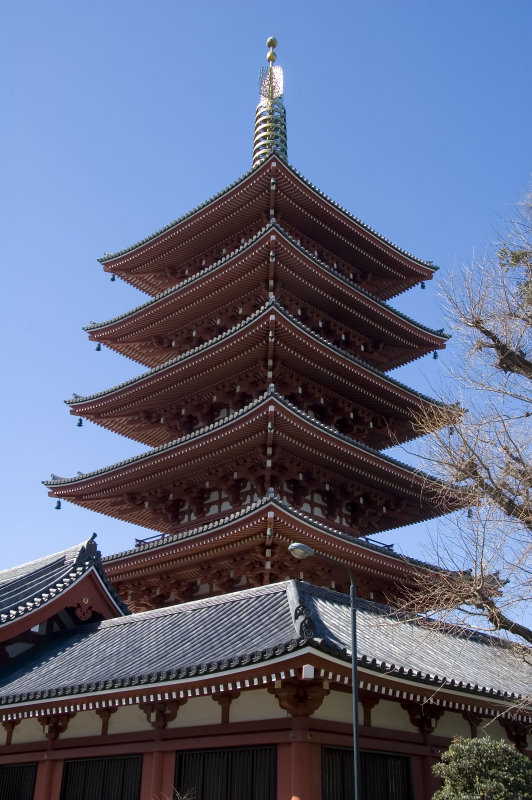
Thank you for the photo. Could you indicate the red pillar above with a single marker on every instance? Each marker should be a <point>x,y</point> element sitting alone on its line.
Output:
<point>418,777</point>
<point>167,774</point>
<point>299,768</point>
<point>158,771</point>
<point>147,780</point>
<point>429,779</point>
<point>48,779</point>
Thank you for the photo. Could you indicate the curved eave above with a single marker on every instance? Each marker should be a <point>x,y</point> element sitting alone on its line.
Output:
<point>263,668</point>
<point>203,227</point>
<point>238,349</point>
<point>56,687</point>
<point>287,524</point>
<point>240,432</point>
<point>242,198</point>
<point>297,271</point>
<point>350,229</point>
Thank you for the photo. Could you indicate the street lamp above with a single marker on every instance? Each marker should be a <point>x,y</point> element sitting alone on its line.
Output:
<point>301,551</point>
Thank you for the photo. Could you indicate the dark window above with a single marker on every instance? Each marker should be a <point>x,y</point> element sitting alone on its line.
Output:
<point>102,779</point>
<point>384,776</point>
<point>17,781</point>
<point>233,774</point>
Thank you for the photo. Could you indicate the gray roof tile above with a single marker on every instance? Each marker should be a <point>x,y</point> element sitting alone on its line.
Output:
<point>217,634</point>
<point>28,586</point>
<point>206,203</point>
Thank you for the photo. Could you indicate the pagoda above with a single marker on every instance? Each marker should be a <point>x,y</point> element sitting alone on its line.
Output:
<point>266,406</point>
<point>266,401</point>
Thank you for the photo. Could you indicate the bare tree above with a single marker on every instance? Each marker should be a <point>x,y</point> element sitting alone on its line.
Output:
<point>480,443</point>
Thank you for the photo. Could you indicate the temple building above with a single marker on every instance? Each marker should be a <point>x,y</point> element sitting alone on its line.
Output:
<point>206,659</point>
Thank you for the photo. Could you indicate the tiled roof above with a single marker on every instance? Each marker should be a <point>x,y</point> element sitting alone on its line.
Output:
<point>272,225</point>
<point>271,303</point>
<point>110,256</point>
<point>271,497</point>
<point>220,634</point>
<point>299,176</point>
<point>29,586</point>
<point>226,422</point>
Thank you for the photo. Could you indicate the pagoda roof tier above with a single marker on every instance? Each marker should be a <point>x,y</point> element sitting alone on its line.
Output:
<point>224,373</point>
<point>270,443</point>
<point>251,547</point>
<point>273,263</point>
<point>273,189</point>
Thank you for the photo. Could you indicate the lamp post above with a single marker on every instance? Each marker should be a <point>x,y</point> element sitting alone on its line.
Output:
<point>301,551</point>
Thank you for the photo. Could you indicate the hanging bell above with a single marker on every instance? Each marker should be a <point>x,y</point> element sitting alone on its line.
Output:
<point>470,513</point>
<point>423,285</point>
<point>113,278</point>
<point>435,355</point>
<point>79,423</point>
<point>98,347</point>
<point>57,505</point>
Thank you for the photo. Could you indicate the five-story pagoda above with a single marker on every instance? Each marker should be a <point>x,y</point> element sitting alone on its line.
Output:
<point>266,403</point>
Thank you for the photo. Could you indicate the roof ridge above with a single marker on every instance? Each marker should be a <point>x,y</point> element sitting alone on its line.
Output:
<point>272,301</point>
<point>358,221</point>
<point>225,421</point>
<point>271,497</point>
<point>254,170</point>
<point>192,605</point>
<point>181,357</point>
<point>185,282</point>
<point>31,588</point>
<point>360,289</point>
<point>111,256</point>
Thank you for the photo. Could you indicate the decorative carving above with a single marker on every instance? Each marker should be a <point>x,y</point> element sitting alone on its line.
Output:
<point>424,716</point>
<point>10,725</point>
<point>473,720</point>
<point>159,714</point>
<point>84,609</point>
<point>225,699</point>
<point>300,698</point>
<point>368,700</point>
<point>89,552</point>
<point>105,714</point>
<point>306,626</point>
<point>54,725</point>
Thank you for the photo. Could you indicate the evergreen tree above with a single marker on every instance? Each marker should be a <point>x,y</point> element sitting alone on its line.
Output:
<point>484,769</point>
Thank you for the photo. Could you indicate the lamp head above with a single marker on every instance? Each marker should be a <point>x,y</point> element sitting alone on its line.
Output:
<point>300,551</point>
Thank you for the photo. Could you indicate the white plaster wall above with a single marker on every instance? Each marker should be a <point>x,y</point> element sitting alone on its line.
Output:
<point>197,711</point>
<point>28,730</point>
<point>255,704</point>
<point>387,714</point>
<point>85,723</point>
<point>337,706</point>
<point>494,730</point>
<point>452,724</point>
<point>128,719</point>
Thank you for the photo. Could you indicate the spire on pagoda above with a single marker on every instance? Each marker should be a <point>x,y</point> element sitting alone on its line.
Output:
<point>270,116</point>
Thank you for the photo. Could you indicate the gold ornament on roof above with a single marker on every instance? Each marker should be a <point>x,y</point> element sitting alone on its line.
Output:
<point>270,117</point>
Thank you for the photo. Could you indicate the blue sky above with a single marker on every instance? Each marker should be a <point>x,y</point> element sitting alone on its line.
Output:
<point>121,115</point>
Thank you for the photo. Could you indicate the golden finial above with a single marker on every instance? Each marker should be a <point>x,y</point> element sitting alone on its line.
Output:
<point>271,55</point>
<point>270,118</point>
